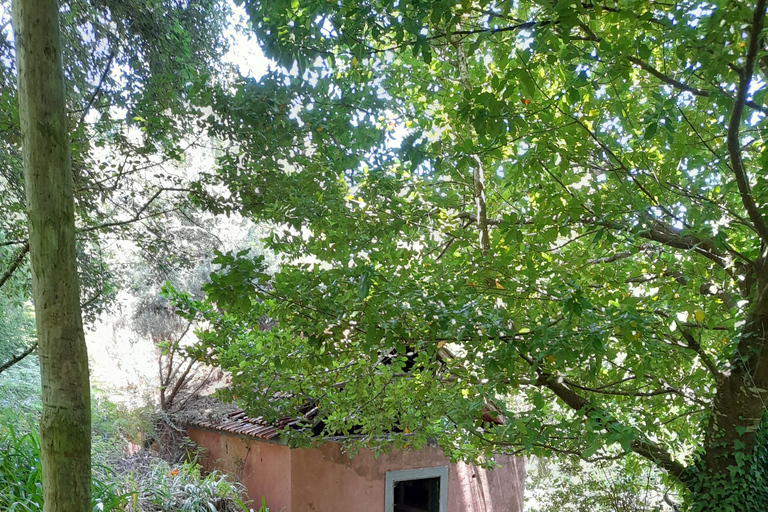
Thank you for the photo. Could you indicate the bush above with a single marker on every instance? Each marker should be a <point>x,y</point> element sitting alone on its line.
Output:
<point>21,481</point>
<point>156,486</point>
<point>172,488</point>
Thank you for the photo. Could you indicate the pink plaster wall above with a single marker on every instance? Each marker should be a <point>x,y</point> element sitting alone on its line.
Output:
<point>263,468</point>
<point>326,479</point>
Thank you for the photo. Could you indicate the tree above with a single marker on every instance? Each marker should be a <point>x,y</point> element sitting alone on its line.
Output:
<point>570,196</point>
<point>65,426</point>
<point>130,70</point>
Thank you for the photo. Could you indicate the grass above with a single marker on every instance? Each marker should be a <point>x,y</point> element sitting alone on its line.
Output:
<point>21,484</point>
<point>20,475</point>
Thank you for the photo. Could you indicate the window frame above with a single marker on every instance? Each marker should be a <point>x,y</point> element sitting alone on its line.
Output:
<point>393,477</point>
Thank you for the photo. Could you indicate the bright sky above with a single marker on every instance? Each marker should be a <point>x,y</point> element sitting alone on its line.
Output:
<point>244,51</point>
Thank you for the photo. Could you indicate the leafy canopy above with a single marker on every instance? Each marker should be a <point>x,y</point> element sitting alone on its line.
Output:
<point>568,196</point>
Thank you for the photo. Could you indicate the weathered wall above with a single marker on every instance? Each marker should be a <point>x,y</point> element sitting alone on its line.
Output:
<point>326,479</point>
<point>263,468</point>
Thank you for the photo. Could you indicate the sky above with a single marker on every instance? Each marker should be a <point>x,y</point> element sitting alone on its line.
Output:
<point>245,52</point>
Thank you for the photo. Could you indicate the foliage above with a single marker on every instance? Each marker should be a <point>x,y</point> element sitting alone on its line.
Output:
<point>131,70</point>
<point>167,488</point>
<point>17,325</point>
<point>141,482</point>
<point>567,195</point>
<point>21,478</point>
<point>572,485</point>
<point>163,488</point>
<point>20,404</point>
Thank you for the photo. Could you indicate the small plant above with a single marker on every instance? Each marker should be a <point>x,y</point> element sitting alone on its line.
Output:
<point>166,488</point>
<point>263,507</point>
<point>20,474</point>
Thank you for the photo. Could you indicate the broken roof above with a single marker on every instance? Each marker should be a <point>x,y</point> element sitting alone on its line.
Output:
<point>238,422</point>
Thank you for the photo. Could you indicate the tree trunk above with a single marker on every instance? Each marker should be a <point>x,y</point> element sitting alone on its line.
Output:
<point>738,487</point>
<point>65,427</point>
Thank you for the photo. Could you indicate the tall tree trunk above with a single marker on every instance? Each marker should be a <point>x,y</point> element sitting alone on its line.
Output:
<point>65,427</point>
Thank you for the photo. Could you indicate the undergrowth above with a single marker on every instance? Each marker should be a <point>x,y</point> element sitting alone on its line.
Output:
<point>152,485</point>
<point>142,482</point>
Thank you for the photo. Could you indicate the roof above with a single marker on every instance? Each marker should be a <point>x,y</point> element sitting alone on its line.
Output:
<point>238,422</point>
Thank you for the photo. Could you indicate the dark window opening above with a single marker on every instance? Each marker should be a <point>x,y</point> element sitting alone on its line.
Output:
<point>418,495</point>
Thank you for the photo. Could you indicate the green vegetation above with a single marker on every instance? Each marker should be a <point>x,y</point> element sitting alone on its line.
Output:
<point>569,196</point>
<point>155,487</point>
<point>549,213</point>
<point>141,483</point>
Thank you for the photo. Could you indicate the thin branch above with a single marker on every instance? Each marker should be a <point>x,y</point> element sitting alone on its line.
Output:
<point>639,394</point>
<point>685,87</point>
<point>13,242</point>
<point>16,359</point>
<point>612,258</point>
<point>667,79</point>
<point>694,345</point>
<point>640,445</point>
<point>472,217</point>
<point>734,150</point>
<point>96,91</point>
<point>179,383</point>
<point>137,215</point>
<point>91,300</point>
<point>667,235</point>
<point>14,264</point>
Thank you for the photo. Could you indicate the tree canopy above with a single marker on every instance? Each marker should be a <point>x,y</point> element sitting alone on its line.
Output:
<point>549,215</point>
<point>130,70</point>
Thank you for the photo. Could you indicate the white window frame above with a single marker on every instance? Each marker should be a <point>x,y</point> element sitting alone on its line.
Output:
<point>393,477</point>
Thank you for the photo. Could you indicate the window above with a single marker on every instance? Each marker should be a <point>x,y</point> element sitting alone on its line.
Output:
<point>417,490</point>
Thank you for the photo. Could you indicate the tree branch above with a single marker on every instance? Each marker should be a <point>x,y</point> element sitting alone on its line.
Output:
<point>90,301</point>
<point>612,258</point>
<point>667,235</point>
<point>137,215</point>
<point>685,87</point>
<point>16,359</point>
<point>694,345</point>
<point>668,390</point>
<point>667,79</point>
<point>643,447</point>
<point>97,90</point>
<point>734,149</point>
<point>14,264</point>
<point>473,218</point>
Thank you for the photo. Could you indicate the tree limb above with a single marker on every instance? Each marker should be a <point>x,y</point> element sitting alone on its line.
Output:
<point>472,217</point>
<point>685,87</point>
<point>478,172</point>
<point>16,359</point>
<point>734,149</point>
<point>694,345</point>
<point>14,264</point>
<point>97,90</point>
<point>137,215</point>
<point>667,235</point>
<point>613,257</point>
<point>643,447</point>
<point>667,79</point>
<point>660,232</point>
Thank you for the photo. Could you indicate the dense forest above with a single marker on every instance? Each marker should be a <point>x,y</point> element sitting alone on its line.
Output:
<point>534,228</point>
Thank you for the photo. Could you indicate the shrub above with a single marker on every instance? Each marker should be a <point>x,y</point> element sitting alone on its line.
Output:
<point>182,488</point>
<point>155,487</point>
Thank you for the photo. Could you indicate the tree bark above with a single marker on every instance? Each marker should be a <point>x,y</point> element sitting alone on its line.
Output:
<point>65,425</point>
